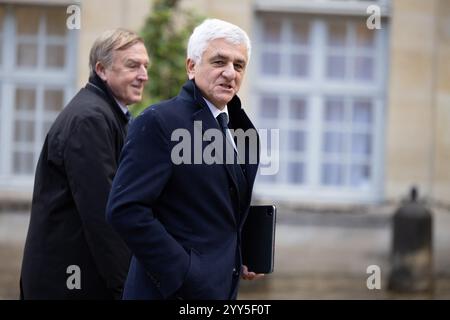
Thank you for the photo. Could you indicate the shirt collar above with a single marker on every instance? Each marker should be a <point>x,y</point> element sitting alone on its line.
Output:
<point>122,106</point>
<point>216,111</point>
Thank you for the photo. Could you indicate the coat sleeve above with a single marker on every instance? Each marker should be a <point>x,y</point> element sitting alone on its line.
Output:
<point>90,163</point>
<point>144,170</point>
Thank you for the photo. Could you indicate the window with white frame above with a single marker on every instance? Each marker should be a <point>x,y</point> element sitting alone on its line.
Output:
<point>37,75</point>
<point>2,22</point>
<point>319,79</point>
<point>2,19</point>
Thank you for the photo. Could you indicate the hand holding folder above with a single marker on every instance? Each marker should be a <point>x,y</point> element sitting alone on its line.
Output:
<point>258,239</point>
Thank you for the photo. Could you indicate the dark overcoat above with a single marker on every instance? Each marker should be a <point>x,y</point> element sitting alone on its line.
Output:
<point>67,227</point>
<point>181,221</point>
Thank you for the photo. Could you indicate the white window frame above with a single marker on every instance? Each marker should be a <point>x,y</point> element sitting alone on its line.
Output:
<point>331,7</point>
<point>39,78</point>
<point>316,89</point>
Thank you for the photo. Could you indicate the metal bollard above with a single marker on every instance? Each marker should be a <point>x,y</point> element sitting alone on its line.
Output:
<point>412,249</point>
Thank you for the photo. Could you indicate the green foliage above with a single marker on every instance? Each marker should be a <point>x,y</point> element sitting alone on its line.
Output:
<point>166,33</point>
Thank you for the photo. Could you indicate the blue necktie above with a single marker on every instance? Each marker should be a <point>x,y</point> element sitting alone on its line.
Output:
<point>129,116</point>
<point>222,118</point>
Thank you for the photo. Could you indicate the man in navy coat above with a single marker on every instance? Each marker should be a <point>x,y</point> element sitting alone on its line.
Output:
<point>182,219</point>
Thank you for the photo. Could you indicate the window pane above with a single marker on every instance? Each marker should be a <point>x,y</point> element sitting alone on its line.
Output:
<point>23,162</point>
<point>361,144</point>
<point>332,174</point>
<point>300,33</point>
<point>337,34</point>
<point>1,110</point>
<point>299,65</point>
<point>2,17</point>
<point>360,175</point>
<point>269,107</point>
<point>363,68</point>
<point>27,20</point>
<point>362,111</point>
<point>25,99</point>
<point>334,142</point>
<point>296,173</point>
<point>53,100</point>
<point>56,21</point>
<point>336,67</point>
<point>271,31</point>
<point>298,109</point>
<point>55,56</point>
<point>270,63</point>
<point>24,131</point>
<point>297,141</point>
<point>334,110</point>
<point>26,55</point>
<point>364,37</point>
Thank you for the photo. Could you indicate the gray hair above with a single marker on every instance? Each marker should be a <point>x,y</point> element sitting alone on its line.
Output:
<point>107,43</point>
<point>212,29</point>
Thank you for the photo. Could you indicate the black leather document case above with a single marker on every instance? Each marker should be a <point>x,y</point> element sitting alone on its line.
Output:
<point>258,239</point>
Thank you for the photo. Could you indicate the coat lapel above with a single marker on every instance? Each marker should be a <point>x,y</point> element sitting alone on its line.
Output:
<point>239,119</point>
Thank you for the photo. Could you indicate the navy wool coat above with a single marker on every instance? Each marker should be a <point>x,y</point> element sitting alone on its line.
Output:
<point>182,222</point>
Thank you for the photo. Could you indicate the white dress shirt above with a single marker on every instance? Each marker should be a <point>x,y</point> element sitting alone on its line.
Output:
<point>216,111</point>
<point>122,106</point>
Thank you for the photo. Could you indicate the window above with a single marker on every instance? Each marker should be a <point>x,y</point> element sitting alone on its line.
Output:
<point>293,60</point>
<point>2,21</point>
<point>37,75</point>
<point>29,133</point>
<point>319,80</point>
<point>350,51</point>
<point>346,142</point>
<point>41,38</point>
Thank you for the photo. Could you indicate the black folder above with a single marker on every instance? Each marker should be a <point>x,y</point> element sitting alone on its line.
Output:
<point>258,239</point>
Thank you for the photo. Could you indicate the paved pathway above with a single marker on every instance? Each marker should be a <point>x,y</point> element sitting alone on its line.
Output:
<point>318,256</point>
<point>325,256</point>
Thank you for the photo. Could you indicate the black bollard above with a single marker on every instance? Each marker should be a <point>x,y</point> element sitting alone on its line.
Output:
<point>412,249</point>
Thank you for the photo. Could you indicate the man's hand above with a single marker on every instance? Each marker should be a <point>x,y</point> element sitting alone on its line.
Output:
<point>248,275</point>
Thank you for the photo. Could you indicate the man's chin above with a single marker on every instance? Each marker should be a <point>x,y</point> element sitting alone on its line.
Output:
<point>135,99</point>
<point>224,99</point>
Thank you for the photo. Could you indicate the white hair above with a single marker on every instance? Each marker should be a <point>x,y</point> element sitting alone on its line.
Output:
<point>212,29</point>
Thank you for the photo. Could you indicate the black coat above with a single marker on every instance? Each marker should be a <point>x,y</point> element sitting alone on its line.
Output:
<point>182,222</point>
<point>73,179</point>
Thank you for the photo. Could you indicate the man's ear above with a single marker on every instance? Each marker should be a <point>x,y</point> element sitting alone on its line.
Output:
<point>190,68</point>
<point>100,70</point>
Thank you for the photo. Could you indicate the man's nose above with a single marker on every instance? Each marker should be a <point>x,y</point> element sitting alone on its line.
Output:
<point>142,73</point>
<point>229,72</point>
